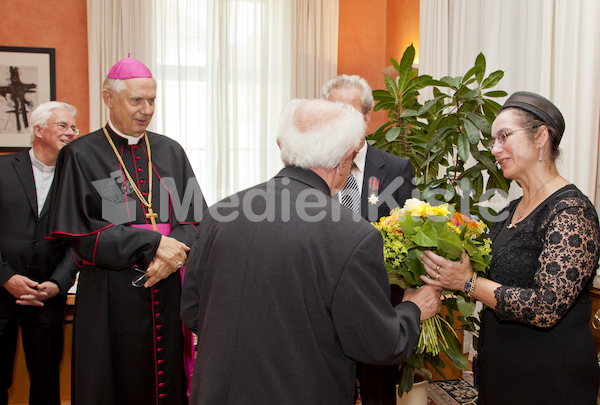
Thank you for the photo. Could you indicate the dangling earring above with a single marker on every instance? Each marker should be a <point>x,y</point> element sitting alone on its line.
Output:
<point>540,159</point>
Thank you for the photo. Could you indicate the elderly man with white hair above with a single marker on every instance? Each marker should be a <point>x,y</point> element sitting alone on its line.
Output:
<point>286,288</point>
<point>35,273</point>
<point>128,201</point>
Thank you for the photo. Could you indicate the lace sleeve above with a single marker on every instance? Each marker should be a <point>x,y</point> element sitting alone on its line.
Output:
<point>568,259</point>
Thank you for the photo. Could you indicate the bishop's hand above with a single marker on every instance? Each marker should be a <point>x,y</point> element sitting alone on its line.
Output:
<point>169,257</point>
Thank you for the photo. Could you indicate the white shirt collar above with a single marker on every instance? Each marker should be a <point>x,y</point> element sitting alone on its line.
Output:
<point>38,164</point>
<point>132,140</point>
<point>361,158</point>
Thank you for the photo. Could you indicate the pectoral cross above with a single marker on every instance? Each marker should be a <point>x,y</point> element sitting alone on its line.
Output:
<point>151,215</point>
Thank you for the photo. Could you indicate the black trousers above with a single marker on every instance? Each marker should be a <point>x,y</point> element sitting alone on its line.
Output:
<point>43,345</point>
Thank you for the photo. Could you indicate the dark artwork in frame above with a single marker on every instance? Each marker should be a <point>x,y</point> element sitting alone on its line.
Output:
<point>27,79</point>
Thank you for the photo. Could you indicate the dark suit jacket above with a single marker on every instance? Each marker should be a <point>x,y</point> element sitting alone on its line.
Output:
<point>388,177</point>
<point>23,246</point>
<point>286,290</point>
<point>393,177</point>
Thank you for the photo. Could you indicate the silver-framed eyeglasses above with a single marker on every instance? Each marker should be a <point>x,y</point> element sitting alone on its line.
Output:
<point>501,138</point>
<point>139,279</point>
<point>63,126</point>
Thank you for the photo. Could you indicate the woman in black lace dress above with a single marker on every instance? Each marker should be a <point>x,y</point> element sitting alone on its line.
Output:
<point>535,343</point>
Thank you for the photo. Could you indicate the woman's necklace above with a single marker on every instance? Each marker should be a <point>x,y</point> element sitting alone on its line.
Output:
<point>520,213</point>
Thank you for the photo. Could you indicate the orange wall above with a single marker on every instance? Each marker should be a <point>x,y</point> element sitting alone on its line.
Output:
<point>372,32</point>
<point>54,24</point>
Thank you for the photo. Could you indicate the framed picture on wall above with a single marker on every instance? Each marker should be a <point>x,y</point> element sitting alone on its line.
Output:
<point>27,79</point>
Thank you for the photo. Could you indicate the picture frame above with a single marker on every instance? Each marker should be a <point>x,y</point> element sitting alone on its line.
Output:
<point>27,79</point>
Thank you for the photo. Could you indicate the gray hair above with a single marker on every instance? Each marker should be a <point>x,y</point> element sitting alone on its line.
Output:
<point>113,85</point>
<point>318,133</point>
<point>366,94</point>
<point>43,112</point>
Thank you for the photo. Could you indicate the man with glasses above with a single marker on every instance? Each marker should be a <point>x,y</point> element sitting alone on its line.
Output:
<point>128,201</point>
<point>35,273</point>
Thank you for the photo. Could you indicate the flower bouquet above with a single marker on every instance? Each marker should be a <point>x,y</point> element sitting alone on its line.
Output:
<point>407,233</point>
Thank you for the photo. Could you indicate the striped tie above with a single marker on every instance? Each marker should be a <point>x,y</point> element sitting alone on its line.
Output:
<point>351,193</point>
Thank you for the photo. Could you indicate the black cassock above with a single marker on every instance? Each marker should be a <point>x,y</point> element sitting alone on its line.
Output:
<point>128,342</point>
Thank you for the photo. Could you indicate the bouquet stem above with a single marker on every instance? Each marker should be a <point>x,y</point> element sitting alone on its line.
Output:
<point>431,339</point>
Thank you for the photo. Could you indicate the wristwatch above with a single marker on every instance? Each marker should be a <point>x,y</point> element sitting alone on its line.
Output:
<point>470,285</point>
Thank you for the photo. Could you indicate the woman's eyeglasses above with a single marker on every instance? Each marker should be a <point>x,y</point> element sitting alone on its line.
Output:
<point>501,138</point>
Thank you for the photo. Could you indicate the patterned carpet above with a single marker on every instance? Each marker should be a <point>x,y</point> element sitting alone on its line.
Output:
<point>454,392</point>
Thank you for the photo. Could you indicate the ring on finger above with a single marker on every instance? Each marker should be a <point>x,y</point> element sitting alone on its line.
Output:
<point>438,267</point>
<point>179,265</point>
<point>437,276</point>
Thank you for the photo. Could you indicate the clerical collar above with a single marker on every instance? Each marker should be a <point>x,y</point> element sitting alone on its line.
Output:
<point>131,140</point>
<point>38,164</point>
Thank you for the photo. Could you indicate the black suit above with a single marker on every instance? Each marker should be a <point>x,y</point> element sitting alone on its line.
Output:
<point>286,297</point>
<point>387,170</point>
<point>25,250</point>
<point>382,170</point>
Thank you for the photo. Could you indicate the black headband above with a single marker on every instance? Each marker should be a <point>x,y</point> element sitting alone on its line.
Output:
<point>538,106</point>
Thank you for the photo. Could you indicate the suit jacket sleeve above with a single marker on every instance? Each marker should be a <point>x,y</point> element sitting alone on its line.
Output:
<point>192,281</point>
<point>64,274</point>
<point>6,270</point>
<point>369,328</point>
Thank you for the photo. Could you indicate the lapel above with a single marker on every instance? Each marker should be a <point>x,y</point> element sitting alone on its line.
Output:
<point>374,165</point>
<point>22,165</point>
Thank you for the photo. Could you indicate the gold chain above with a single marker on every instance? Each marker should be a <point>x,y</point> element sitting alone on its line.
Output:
<point>133,185</point>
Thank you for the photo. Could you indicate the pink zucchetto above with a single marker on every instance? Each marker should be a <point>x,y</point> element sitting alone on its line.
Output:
<point>128,68</point>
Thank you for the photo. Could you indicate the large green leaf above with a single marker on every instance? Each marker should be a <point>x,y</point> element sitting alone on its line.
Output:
<point>462,147</point>
<point>392,134</point>
<point>465,307</point>
<point>492,79</point>
<point>472,132</point>
<point>405,68</point>
<point>391,85</point>
<point>426,236</point>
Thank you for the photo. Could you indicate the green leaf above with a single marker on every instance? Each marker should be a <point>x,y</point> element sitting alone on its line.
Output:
<point>472,132</point>
<point>408,113</point>
<point>480,61</point>
<point>458,359</point>
<point>380,95</point>
<point>492,79</point>
<point>453,82</point>
<point>496,93</point>
<point>465,307</point>
<point>392,134</point>
<point>449,243</point>
<point>405,67</point>
<point>391,85</point>
<point>463,147</point>
<point>480,122</point>
<point>407,379</point>
<point>395,64</point>
<point>385,105</point>
<point>426,236</point>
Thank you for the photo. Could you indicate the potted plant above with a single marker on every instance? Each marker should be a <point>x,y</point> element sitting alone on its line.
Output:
<point>445,138</point>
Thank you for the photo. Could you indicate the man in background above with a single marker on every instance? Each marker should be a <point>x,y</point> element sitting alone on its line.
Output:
<point>35,273</point>
<point>128,201</point>
<point>286,288</point>
<point>373,171</point>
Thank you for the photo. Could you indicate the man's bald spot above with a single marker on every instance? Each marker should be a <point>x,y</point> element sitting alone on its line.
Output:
<point>315,114</point>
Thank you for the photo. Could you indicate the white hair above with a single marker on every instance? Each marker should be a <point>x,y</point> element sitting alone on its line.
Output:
<point>366,94</point>
<point>43,112</point>
<point>318,133</point>
<point>113,85</point>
